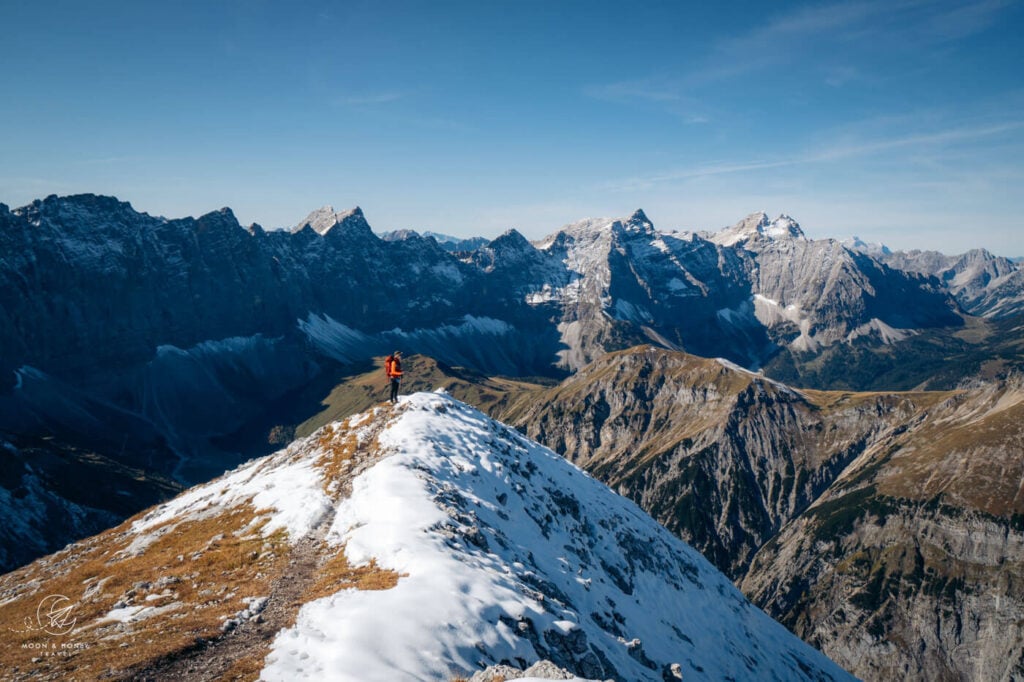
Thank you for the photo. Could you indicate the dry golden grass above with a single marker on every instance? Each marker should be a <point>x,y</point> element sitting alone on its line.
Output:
<point>338,574</point>
<point>338,448</point>
<point>975,463</point>
<point>339,444</point>
<point>207,566</point>
<point>246,669</point>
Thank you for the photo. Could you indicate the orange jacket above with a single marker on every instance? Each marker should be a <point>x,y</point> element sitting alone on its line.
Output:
<point>393,367</point>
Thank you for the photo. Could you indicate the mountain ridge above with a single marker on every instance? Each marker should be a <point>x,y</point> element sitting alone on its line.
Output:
<point>427,510</point>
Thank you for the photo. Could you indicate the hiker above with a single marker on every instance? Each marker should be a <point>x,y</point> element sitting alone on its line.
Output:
<point>393,368</point>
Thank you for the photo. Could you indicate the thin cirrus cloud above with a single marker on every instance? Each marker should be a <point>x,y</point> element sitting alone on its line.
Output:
<point>914,25</point>
<point>880,24</point>
<point>832,152</point>
<point>665,95</point>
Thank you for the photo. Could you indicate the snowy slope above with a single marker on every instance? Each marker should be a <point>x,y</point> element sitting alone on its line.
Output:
<point>508,552</point>
<point>419,542</point>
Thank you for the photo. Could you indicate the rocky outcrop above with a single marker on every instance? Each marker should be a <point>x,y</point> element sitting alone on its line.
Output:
<point>541,670</point>
<point>893,588</point>
<point>910,564</point>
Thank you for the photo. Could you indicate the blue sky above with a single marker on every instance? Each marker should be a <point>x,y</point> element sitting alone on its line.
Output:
<point>900,121</point>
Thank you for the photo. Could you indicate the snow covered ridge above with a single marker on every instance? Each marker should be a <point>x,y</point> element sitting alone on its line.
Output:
<point>420,542</point>
<point>509,553</point>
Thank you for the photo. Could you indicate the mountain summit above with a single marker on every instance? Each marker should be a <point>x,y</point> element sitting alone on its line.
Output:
<point>757,225</point>
<point>324,219</point>
<point>418,542</point>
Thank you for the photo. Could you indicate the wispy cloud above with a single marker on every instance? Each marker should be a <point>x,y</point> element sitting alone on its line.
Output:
<point>664,94</point>
<point>963,19</point>
<point>937,138</point>
<point>879,24</point>
<point>835,151</point>
<point>810,35</point>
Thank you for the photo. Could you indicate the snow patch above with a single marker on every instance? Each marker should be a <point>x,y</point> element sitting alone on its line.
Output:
<point>759,377</point>
<point>334,339</point>
<point>879,329</point>
<point>625,310</point>
<point>131,614</point>
<point>290,492</point>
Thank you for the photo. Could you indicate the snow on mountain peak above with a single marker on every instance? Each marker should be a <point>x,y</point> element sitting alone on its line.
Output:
<point>325,218</point>
<point>783,227</point>
<point>640,219</point>
<point>757,225</point>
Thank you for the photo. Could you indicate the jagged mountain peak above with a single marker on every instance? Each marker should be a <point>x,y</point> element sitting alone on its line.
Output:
<point>758,226</point>
<point>422,541</point>
<point>598,230</point>
<point>588,227</point>
<point>509,251</point>
<point>222,216</point>
<point>639,218</point>
<point>325,219</point>
<point>511,238</point>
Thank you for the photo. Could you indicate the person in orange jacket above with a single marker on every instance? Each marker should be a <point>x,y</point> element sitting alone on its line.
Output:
<point>393,369</point>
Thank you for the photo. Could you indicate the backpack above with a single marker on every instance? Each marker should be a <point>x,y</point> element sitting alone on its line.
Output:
<point>389,363</point>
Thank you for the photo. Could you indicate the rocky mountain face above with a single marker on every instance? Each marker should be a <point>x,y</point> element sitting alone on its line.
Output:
<point>424,541</point>
<point>887,529</point>
<point>747,293</point>
<point>91,285</point>
<point>982,283</point>
<point>910,564</point>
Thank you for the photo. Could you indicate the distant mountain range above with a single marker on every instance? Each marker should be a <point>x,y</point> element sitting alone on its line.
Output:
<point>94,289</point>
